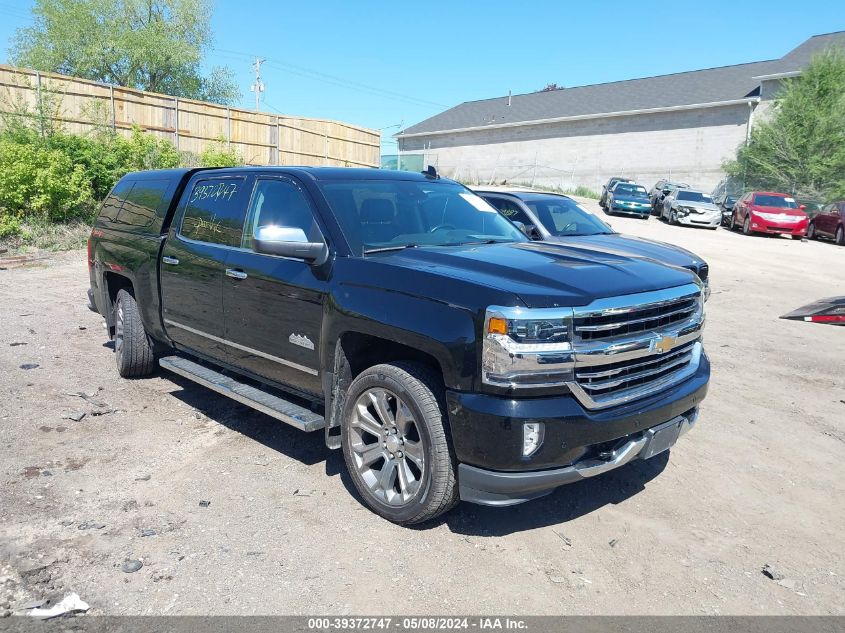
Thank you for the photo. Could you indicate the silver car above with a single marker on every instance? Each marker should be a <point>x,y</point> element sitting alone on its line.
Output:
<point>691,208</point>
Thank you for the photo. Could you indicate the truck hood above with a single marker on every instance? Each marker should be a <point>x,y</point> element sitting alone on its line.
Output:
<point>541,274</point>
<point>626,245</point>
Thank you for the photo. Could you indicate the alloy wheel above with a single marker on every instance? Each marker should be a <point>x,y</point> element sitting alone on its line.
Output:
<point>811,231</point>
<point>118,328</point>
<point>387,448</point>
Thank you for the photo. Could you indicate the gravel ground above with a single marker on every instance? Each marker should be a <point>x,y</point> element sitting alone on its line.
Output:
<point>759,481</point>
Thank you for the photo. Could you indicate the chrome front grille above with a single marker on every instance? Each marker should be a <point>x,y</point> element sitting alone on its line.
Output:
<point>601,380</point>
<point>631,320</point>
<point>631,347</point>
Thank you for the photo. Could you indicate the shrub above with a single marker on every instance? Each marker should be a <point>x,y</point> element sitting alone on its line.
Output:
<point>145,151</point>
<point>218,155</point>
<point>41,183</point>
<point>9,226</point>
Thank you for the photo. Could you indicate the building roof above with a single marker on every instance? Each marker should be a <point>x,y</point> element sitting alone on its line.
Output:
<point>678,90</point>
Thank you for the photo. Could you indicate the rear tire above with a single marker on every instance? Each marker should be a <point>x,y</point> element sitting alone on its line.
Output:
<point>132,348</point>
<point>389,409</point>
<point>840,236</point>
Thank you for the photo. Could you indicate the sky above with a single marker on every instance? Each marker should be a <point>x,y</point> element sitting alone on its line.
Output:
<point>386,64</point>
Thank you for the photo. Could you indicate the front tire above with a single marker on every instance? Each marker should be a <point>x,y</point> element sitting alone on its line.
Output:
<point>673,217</point>
<point>746,226</point>
<point>811,231</point>
<point>396,445</point>
<point>132,348</point>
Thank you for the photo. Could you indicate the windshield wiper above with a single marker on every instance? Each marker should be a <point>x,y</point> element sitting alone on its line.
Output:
<point>384,249</point>
<point>499,241</point>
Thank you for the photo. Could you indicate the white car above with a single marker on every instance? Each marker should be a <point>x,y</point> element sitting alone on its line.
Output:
<point>691,208</point>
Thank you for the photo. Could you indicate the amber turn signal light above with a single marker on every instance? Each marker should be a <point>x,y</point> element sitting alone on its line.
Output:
<point>497,325</point>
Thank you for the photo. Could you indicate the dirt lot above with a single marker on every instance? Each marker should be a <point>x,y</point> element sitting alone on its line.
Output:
<point>759,481</point>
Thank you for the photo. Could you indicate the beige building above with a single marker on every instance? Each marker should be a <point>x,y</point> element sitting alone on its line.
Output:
<point>682,126</point>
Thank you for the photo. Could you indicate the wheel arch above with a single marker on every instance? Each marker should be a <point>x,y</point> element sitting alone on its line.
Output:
<point>113,283</point>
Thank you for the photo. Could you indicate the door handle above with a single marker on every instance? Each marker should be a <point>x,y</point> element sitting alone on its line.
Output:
<point>170,260</point>
<point>236,274</point>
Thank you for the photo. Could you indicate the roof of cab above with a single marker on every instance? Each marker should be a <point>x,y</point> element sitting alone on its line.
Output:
<point>333,173</point>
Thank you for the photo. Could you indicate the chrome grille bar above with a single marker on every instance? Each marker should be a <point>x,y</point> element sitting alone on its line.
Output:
<point>637,364</point>
<point>602,385</point>
<point>686,310</point>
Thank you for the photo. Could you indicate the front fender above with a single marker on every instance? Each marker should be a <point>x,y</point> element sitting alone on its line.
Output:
<point>445,332</point>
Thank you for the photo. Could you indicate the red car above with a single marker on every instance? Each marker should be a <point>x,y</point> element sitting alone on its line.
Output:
<point>829,222</point>
<point>768,212</point>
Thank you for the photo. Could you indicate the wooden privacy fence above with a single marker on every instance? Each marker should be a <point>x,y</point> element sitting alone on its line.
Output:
<point>261,138</point>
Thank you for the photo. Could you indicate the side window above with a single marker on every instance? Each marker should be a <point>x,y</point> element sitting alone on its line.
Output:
<point>140,207</point>
<point>114,201</point>
<point>215,211</point>
<point>281,203</point>
<point>510,210</point>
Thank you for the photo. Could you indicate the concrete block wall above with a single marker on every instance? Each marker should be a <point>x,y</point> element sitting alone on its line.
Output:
<point>688,145</point>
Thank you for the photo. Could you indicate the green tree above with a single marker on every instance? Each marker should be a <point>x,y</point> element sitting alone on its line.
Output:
<point>155,45</point>
<point>799,146</point>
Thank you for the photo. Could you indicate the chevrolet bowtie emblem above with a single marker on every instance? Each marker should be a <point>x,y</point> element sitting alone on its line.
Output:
<point>664,344</point>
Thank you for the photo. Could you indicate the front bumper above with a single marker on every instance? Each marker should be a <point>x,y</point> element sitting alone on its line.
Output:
<point>630,210</point>
<point>487,487</point>
<point>700,220</point>
<point>487,435</point>
<point>759,225</point>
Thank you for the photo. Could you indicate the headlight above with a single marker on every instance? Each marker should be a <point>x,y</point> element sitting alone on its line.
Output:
<point>527,348</point>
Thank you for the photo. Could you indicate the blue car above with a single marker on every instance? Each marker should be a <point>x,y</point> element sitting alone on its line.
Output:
<point>628,198</point>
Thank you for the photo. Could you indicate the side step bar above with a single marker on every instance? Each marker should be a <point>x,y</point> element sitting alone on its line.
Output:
<point>274,406</point>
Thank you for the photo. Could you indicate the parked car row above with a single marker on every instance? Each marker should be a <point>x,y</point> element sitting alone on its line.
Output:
<point>754,212</point>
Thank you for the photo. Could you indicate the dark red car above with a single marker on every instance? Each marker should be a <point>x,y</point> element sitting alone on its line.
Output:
<point>829,222</point>
<point>768,212</point>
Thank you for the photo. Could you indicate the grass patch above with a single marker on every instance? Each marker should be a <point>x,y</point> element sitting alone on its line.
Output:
<point>580,191</point>
<point>34,237</point>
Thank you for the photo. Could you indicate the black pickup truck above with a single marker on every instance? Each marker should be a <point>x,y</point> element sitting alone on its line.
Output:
<point>447,355</point>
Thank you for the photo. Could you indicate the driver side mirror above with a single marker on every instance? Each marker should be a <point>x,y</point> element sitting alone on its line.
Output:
<point>289,242</point>
<point>803,207</point>
<point>529,230</point>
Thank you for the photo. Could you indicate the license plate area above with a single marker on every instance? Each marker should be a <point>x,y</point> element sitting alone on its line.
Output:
<point>662,438</point>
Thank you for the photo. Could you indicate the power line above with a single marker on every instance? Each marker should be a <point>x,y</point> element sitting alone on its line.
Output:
<point>316,75</point>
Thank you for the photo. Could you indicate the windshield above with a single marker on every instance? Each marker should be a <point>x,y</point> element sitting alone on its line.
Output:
<point>563,217</point>
<point>638,191</point>
<point>694,196</point>
<point>386,214</point>
<point>775,201</point>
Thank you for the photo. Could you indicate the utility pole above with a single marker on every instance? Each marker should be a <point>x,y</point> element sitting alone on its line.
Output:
<point>258,86</point>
